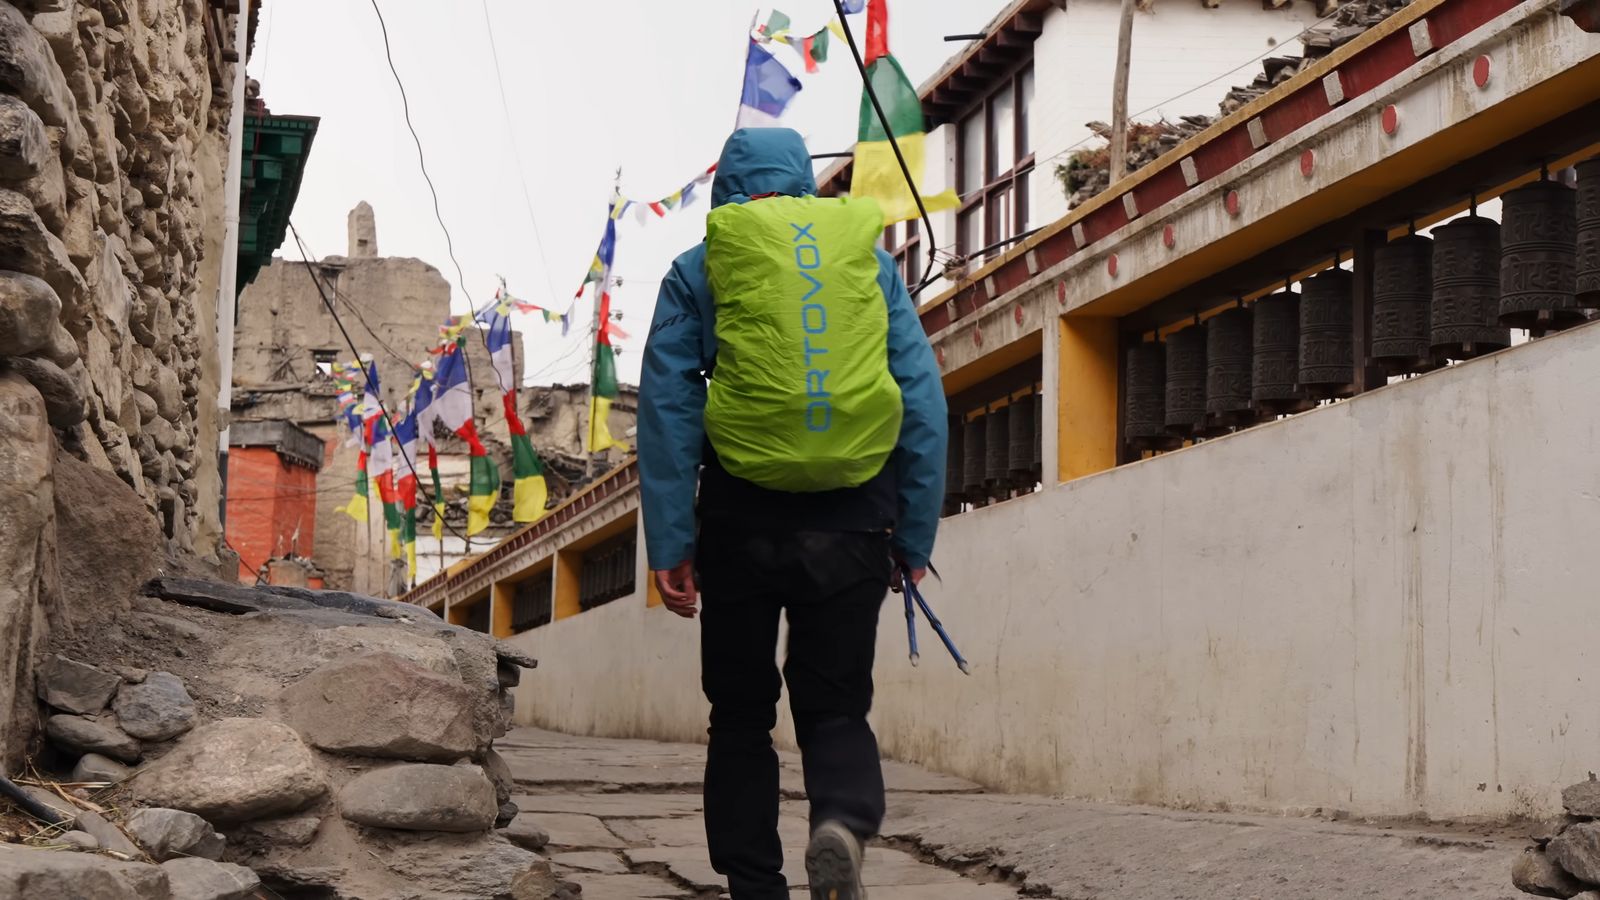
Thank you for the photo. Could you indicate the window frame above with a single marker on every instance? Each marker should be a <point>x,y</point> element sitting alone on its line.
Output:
<point>903,241</point>
<point>1010,184</point>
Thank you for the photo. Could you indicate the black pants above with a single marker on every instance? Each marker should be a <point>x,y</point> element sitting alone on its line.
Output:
<point>831,585</point>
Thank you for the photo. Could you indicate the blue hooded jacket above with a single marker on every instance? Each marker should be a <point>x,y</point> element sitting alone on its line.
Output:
<point>682,350</point>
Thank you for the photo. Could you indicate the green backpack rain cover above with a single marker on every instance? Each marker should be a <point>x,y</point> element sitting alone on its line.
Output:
<point>802,398</point>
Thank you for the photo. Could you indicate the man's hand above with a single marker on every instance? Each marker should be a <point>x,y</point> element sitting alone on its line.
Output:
<point>678,589</point>
<point>896,581</point>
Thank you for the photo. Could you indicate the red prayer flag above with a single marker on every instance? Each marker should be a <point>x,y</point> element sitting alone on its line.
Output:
<point>877,30</point>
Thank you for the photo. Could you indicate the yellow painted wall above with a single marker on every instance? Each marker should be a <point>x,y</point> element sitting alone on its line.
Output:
<point>1088,412</point>
<point>501,596</point>
<point>569,565</point>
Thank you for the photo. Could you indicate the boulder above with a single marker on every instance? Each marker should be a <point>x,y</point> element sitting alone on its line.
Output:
<point>75,687</point>
<point>506,815</point>
<point>27,487</point>
<point>29,310</point>
<point>96,768</point>
<point>499,772</point>
<point>202,879</point>
<point>1577,850</point>
<point>24,146</point>
<point>26,245</point>
<point>421,797</point>
<point>86,734</point>
<point>79,840</point>
<point>527,833</point>
<point>25,872</point>
<point>172,833</point>
<point>1535,873</point>
<point>447,867</point>
<point>62,349</point>
<point>28,69</point>
<point>234,770</point>
<point>1583,799</point>
<point>156,709</point>
<point>109,836</point>
<point>62,389</point>
<point>292,831</point>
<point>383,705</point>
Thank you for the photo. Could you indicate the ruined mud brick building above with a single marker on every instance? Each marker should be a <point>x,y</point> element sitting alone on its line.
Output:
<point>393,308</point>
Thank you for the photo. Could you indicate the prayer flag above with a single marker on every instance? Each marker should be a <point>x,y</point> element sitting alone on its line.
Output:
<point>768,88</point>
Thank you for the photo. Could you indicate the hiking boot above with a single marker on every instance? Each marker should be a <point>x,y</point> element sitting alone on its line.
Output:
<point>833,864</point>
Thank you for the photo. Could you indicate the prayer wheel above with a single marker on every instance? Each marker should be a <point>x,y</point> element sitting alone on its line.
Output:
<point>1327,335</point>
<point>1228,364</point>
<point>1588,282</point>
<point>1021,449</point>
<point>1038,438</point>
<point>1466,290</point>
<point>973,448</point>
<point>953,474</point>
<point>1144,412</point>
<point>1539,257</point>
<point>1186,381</point>
<point>1275,354</point>
<point>1402,287</point>
<point>997,442</point>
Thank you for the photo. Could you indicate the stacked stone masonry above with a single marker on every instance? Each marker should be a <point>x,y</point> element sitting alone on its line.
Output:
<point>112,144</point>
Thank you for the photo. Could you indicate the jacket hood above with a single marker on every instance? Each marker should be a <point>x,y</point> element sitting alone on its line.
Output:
<point>757,161</point>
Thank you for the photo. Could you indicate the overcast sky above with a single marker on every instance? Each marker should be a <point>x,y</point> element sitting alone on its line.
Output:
<point>591,86</point>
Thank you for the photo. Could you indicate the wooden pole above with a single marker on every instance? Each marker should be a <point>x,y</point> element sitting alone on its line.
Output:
<point>1119,95</point>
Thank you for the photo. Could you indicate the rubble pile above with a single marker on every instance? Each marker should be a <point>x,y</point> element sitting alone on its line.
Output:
<point>1087,172</point>
<point>1564,860</point>
<point>297,743</point>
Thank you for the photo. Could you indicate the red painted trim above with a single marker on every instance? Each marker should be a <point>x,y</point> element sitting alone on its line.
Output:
<point>1361,74</point>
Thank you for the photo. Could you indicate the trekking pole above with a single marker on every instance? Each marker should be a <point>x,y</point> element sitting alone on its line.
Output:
<point>911,628</point>
<point>912,593</point>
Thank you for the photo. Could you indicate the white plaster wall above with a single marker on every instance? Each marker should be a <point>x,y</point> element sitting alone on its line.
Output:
<point>1177,49</point>
<point>1384,606</point>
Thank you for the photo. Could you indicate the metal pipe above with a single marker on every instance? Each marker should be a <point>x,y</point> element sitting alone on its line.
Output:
<point>227,286</point>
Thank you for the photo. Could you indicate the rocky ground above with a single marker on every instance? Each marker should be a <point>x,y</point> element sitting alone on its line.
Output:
<point>216,742</point>
<point>623,821</point>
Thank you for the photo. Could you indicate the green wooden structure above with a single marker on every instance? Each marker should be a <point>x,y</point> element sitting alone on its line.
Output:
<point>275,152</point>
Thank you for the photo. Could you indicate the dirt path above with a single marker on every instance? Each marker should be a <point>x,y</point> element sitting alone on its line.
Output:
<point>624,821</point>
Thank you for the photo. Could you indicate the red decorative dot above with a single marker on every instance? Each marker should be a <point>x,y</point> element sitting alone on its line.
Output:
<point>1391,119</point>
<point>1169,237</point>
<point>1230,202</point>
<point>1017,314</point>
<point>977,335</point>
<point>1480,71</point>
<point>1111,265</point>
<point>1061,293</point>
<point>939,353</point>
<point>1308,162</point>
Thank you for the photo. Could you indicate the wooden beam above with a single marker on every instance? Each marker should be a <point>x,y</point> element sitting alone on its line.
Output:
<point>1119,94</point>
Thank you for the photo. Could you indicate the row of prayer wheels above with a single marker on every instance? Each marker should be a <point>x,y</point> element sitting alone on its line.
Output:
<point>1454,296</point>
<point>993,454</point>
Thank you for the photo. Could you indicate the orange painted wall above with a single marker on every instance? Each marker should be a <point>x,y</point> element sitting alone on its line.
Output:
<point>272,508</point>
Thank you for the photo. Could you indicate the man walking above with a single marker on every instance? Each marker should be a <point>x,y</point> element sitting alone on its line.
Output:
<point>822,436</point>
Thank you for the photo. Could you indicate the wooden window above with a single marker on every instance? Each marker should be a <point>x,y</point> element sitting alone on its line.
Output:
<point>903,241</point>
<point>532,602</point>
<point>994,158</point>
<point>607,571</point>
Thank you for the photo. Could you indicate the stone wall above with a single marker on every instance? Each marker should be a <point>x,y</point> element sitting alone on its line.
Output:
<point>112,149</point>
<point>112,146</point>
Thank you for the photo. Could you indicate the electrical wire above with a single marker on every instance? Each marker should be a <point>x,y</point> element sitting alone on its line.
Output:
<point>516,154</point>
<point>365,376</point>
<point>888,130</point>
<point>422,163</point>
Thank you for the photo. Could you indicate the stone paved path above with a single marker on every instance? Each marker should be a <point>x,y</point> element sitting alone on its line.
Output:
<point>624,822</point>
